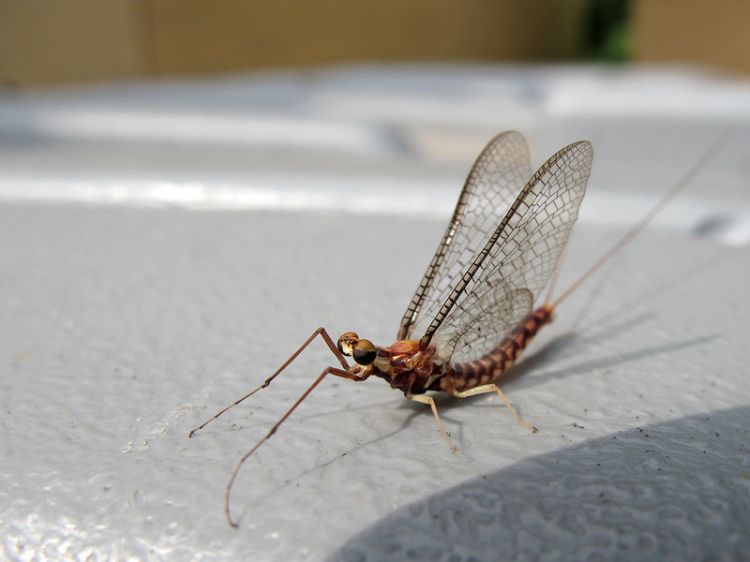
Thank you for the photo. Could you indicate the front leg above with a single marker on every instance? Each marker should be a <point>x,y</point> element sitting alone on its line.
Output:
<point>320,332</point>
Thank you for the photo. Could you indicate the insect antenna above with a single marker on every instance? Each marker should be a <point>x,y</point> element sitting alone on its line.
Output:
<point>683,182</point>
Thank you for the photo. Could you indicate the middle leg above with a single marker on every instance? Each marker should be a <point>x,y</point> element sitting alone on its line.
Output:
<point>484,389</point>
<point>430,401</point>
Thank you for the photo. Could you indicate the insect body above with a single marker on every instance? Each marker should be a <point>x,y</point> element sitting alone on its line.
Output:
<point>473,313</point>
<point>472,310</point>
<point>411,367</point>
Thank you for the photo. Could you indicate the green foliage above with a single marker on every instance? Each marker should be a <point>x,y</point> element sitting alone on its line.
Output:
<point>607,29</point>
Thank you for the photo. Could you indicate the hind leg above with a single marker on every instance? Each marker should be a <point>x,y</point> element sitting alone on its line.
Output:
<point>484,389</point>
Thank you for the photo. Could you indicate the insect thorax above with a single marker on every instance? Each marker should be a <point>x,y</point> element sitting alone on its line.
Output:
<point>405,366</point>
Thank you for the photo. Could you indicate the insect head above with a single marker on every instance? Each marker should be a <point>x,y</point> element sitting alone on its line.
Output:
<point>363,351</point>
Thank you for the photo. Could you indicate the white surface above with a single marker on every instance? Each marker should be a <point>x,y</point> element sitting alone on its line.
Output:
<point>123,327</point>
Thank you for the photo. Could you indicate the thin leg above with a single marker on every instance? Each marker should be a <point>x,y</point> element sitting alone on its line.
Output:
<point>424,399</point>
<point>484,389</point>
<point>319,332</point>
<point>328,371</point>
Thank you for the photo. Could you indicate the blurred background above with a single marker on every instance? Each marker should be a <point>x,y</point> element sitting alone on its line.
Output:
<point>252,104</point>
<point>45,43</point>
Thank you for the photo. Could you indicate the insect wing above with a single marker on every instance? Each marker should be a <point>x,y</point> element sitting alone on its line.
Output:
<point>499,173</point>
<point>500,286</point>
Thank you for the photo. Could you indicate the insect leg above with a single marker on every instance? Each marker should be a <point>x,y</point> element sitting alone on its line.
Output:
<point>319,332</point>
<point>424,399</point>
<point>328,371</point>
<point>484,389</point>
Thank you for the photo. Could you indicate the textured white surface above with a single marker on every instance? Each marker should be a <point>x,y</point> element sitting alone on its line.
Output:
<point>653,493</point>
<point>123,327</point>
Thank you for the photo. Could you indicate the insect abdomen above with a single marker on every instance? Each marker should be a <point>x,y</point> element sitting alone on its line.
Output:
<point>490,367</point>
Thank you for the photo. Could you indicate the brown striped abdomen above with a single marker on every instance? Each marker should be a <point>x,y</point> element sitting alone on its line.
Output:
<point>490,367</point>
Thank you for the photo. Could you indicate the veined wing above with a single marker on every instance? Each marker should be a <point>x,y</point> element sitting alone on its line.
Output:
<point>500,286</point>
<point>498,175</point>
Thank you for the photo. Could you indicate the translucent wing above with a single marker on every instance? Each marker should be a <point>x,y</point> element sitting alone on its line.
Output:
<point>498,175</point>
<point>501,284</point>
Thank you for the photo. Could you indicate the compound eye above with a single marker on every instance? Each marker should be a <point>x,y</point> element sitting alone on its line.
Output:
<point>364,352</point>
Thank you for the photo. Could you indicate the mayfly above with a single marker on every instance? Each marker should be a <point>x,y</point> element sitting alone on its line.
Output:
<point>473,313</point>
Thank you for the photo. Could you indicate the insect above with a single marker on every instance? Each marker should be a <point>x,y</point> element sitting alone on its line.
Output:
<point>473,313</point>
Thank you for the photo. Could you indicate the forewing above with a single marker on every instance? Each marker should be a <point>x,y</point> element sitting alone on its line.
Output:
<point>492,316</point>
<point>498,175</point>
<point>516,262</point>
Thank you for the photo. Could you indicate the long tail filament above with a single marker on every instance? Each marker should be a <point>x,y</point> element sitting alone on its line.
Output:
<point>684,181</point>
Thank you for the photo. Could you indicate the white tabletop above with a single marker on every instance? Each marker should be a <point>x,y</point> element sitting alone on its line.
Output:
<point>164,246</point>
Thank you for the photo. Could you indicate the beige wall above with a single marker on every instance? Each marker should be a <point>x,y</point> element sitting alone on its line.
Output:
<point>61,41</point>
<point>57,41</point>
<point>51,41</point>
<point>713,33</point>
<point>237,33</point>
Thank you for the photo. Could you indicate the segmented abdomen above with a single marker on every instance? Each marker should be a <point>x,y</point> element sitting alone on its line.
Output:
<point>490,367</point>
